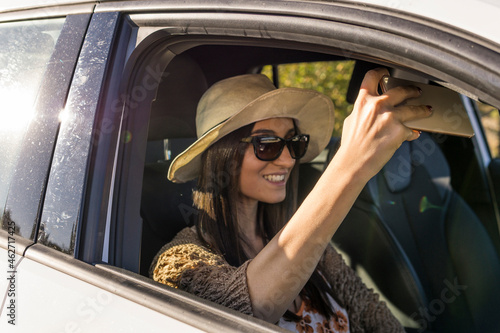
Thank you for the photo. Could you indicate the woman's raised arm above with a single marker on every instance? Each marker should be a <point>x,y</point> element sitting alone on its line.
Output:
<point>372,133</point>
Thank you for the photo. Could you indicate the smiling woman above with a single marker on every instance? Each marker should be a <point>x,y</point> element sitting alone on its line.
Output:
<point>249,234</point>
<point>262,181</point>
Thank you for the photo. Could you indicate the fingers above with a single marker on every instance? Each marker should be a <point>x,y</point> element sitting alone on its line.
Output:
<point>413,135</point>
<point>412,112</point>
<point>371,80</point>
<point>390,105</point>
<point>395,96</point>
<point>400,94</point>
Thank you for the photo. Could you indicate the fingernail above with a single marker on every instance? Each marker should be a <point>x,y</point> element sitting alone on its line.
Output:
<point>429,108</point>
<point>417,133</point>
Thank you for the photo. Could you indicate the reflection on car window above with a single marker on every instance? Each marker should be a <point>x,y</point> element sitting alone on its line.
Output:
<point>491,124</point>
<point>25,49</point>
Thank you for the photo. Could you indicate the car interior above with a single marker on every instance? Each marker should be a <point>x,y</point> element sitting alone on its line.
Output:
<point>423,231</point>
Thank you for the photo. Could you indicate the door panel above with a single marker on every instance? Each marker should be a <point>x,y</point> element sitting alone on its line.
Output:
<point>56,302</point>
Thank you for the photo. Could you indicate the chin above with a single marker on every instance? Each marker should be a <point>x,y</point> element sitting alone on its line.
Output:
<point>274,200</point>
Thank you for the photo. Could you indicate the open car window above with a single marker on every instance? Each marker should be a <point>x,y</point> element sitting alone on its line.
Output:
<point>171,129</point>
<point>170,72</point>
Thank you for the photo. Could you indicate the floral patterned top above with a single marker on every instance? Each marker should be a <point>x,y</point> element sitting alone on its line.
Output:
<point>311,321</point>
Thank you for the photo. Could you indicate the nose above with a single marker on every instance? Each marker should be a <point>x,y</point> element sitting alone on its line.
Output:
<point>285,159</point>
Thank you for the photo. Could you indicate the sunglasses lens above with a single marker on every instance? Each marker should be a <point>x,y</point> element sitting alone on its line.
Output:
<point>269,148</point>
<point>298,146</point>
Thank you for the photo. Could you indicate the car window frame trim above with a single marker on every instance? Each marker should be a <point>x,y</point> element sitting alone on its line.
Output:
<point>77,135</point>
<point>447,44</point>
<point>357,13</point>
<point>46,12</point>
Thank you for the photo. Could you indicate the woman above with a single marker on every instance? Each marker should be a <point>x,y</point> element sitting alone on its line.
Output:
<point>251,249</point>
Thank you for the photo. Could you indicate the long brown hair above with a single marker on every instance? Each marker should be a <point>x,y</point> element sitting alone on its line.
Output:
<point>216,199</point>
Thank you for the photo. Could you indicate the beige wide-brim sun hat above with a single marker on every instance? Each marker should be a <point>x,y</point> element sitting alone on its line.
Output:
<point>241,100</point>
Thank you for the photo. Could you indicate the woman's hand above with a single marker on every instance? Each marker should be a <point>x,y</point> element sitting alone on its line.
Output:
<point>375,130</point>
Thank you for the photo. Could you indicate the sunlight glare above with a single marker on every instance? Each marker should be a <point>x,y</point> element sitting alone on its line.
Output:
<point>63,115</point>
<point>16,110</point>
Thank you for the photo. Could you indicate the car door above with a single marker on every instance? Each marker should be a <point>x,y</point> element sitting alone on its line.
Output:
<point>61,186</point>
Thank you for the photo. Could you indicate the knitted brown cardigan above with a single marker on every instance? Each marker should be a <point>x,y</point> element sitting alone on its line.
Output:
<point>185,263</point>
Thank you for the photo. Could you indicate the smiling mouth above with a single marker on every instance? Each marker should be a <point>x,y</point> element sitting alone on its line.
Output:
<point>275,178</point>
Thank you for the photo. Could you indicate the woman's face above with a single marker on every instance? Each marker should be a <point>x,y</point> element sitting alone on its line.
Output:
<point>266,181</point>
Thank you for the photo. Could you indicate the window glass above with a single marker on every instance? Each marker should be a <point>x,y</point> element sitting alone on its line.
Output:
<point>491,124</point>
<point>328,77</point>
<point>25,49</point>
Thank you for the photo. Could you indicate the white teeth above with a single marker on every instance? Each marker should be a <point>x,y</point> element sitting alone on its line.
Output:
<point>275,178</point>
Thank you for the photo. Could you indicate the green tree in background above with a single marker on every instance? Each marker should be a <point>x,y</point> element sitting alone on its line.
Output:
<point>332,79</point>
<point>329,77</point>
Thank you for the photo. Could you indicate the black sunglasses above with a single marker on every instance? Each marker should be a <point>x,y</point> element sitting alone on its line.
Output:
<point>269,148</point>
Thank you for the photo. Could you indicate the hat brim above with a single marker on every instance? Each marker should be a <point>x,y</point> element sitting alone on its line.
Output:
<point>312,111</point>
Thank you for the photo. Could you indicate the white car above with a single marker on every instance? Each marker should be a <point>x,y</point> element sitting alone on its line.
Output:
<point>96,97</point>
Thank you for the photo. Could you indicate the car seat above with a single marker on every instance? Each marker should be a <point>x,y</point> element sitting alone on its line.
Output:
<point>166,207</point>
<point>423,246</point>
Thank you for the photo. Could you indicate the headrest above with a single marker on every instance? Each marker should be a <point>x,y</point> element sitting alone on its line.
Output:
<point>166,206</point>
<point>174,109</point>
<point>423,151</point>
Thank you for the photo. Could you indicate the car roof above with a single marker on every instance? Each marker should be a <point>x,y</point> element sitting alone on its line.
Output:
<point>477,17</point>
<point>7,6</point>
